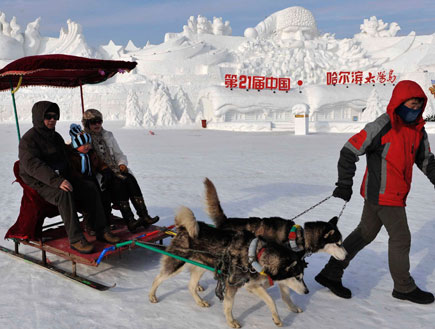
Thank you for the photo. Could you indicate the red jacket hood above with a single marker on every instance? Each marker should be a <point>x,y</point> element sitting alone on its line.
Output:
<point>405,90</point>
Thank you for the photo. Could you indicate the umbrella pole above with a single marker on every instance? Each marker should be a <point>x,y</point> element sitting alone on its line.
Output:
<point>13,91</point>
<point>81,95</point>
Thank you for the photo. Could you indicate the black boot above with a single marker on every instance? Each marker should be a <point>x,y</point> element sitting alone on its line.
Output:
<point>142,212</point>
<point>336,287</point>
<point>127,215</point>
<point>416,296</point>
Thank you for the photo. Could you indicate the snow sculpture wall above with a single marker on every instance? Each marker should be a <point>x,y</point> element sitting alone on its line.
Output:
<point>181,80</point>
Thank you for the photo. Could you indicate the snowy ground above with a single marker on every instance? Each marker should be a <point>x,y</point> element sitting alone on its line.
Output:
<point>261,174</point>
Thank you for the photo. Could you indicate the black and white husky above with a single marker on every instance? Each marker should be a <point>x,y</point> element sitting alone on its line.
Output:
<point>314,237</point>
<point>251,262</point>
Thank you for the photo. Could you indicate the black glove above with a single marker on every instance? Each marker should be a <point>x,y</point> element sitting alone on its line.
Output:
<point>343,192</point>
<point>107,179</point>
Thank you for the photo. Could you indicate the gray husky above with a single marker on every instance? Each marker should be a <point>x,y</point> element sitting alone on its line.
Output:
<point>251,262</point>
<point>314,237</point>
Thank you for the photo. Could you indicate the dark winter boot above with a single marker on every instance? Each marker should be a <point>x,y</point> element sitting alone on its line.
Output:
<point>142,212</point>
<point>336,287</point>
<point>83,246</point>
<point>416,296</point>
<point>107,236</point>
<point>127,215</point>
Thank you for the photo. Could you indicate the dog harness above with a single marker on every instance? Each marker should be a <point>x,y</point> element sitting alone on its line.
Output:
<point>292,236</point>
<point>253,256</point>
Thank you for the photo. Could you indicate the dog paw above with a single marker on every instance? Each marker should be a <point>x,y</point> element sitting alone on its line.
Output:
<point>234,324</point>
<point>153,299</point>
<point>200,288</point>
<point>296,309</point>
<point>203,303</point>
<point>277,322</point>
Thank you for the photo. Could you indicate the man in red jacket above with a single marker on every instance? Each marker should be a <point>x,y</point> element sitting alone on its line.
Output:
<point>392,144</point>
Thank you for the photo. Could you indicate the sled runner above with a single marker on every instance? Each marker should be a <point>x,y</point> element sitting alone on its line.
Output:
<point>68,72</point>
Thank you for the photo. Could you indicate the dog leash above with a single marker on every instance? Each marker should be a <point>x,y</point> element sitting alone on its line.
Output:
<point>317,204</point>
<point>312,207</point>
<point>342,209</point>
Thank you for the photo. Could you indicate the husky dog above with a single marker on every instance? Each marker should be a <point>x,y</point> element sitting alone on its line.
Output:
<point>314,237</point>
<point>249,258</point>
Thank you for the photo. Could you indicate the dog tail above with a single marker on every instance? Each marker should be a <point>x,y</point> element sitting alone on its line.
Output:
<point>212,204</point>
<point>185,218</point>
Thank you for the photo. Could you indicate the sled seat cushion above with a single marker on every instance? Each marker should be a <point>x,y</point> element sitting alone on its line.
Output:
<point>33,210</point>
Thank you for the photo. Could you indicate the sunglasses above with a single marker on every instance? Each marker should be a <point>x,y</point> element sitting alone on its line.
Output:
<point>49,116</point>
<point>95,121</point>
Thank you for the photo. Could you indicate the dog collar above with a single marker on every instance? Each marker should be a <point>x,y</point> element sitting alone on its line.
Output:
<point>253,256</point>
<point>292,236</point>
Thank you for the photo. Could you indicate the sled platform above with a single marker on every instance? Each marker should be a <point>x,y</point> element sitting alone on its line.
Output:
<point>55,241</point>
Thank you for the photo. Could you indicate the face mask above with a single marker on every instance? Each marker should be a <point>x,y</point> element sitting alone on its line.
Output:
<point>407,114</point>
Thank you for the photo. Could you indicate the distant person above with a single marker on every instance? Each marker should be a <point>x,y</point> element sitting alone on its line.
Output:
<point>45,168</point>
<point>85,164</point>
<point>124,185</point>
<point>392,144</point>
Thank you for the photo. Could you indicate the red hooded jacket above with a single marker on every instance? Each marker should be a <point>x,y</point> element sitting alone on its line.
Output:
<point>391,147</point>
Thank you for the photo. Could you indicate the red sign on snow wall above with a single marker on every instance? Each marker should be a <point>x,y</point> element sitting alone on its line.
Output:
<point>256,82</point>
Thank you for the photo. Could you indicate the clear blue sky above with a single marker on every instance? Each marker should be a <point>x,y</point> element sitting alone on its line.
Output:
<point>142,20</point>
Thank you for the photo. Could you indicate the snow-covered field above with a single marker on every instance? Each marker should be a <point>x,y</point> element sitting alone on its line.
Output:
<point>261,174</point>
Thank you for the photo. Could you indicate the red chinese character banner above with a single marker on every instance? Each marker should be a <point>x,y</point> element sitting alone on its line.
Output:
<point>359,77</point>
<point>256,82</point>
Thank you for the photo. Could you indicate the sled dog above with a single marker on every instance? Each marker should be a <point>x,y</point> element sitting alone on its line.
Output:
<point>250,262</point>
<point>314,237</point>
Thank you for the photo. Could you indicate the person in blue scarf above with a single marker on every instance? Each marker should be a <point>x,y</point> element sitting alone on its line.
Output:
<point>85,164</point>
